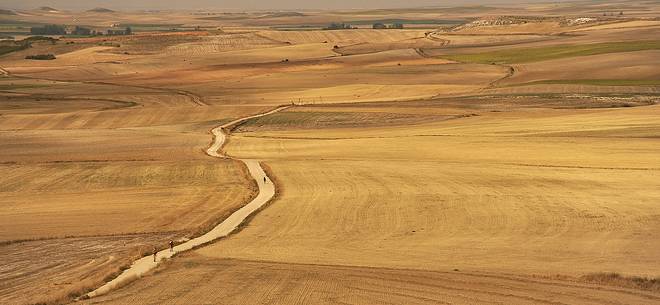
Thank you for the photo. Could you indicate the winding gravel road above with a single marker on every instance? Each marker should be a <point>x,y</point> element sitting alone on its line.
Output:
<point>266,192</point>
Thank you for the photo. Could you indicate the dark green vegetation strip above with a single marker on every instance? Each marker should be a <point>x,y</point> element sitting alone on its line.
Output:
<point>151,25</point>
<point>513,56</point>
<point>599,82</point>
<point>337,119</point>
<point>408,21</point>
<point>11,86</point>
<point>9,49</point>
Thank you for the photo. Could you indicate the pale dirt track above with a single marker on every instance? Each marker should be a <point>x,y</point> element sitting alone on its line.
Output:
<point>266,192</point>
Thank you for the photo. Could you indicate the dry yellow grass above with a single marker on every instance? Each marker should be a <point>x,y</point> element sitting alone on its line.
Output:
<point>48,200</point>
<point>222,43</point>
<point>621,25</point>
<point>55,270</point>
<point>91,183</point>
<point>195,279</point>
<point>533,191</point>
<point>342,37</point>
<point>506,189</point>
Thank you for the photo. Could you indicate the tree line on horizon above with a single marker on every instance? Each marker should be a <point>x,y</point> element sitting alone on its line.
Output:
<point>55,29</point>
<point>377,26</point>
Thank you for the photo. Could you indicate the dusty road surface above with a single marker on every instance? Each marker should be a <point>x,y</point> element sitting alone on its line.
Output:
<point>266,192</point>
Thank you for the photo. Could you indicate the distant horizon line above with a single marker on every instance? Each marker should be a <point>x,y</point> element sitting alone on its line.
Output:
<point>246,9</point>
<point>18,5</point>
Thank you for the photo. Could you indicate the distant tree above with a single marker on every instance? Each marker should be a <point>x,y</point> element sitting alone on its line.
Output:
<point>40,38</point>
<point>621,13</point>
<point>111,32</point>
<point>81,31</point>
<point>338,26</point>
<point>41,57</point>
<point>397,26</point>
<point>49,29</point>
<point>54,29</point>
<point>379,26</point>
<point>128,31</point>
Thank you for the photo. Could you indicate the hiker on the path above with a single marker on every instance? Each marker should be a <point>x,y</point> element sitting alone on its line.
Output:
<point>155,252</point>
<point>171,246</point>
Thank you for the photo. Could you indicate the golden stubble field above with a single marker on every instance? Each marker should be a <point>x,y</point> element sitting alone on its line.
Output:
<point>553,191</point>
<point>526,206</point>
<point>439,169</point>
<point>91,185</point>
<point>95,174</point>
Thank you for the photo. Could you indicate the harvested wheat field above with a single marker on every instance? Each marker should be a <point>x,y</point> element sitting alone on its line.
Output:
<point>392,198</point>
<point>200,277</point>
<point>491,154</point>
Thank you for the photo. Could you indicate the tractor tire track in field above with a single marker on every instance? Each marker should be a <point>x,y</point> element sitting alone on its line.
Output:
<point>196,279</point>
<point>510,71</point>
<point>226,227</point>
<point>192,97</point>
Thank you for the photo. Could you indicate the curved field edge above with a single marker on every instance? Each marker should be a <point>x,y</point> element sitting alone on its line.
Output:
<point>194,279</point>
<point>595,82</point>
<point>525,55</point>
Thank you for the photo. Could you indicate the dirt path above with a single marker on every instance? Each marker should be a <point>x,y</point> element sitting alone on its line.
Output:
<point>266,192</point>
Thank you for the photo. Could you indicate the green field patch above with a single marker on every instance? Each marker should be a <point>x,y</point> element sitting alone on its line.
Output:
<point>297,118</point>
<point>298,28</point>
<point>6,49</point>
<point>12,83</point>
<point>9,87</point>
<point>336,119</point>
<point>153,27</point>
<point>599,82</point>
<point>520,55</point>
